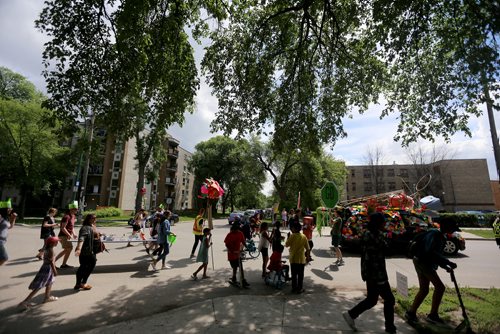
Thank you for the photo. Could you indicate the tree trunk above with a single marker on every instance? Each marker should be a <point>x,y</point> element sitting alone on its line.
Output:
<point>494,136</point>
<point>140,184</point>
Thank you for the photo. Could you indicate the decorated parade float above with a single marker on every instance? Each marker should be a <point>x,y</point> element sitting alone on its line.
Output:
<point>404,220</point>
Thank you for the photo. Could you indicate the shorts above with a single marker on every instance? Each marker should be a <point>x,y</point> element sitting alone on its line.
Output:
<point>336,240</point>
<point>65,243</point>
<point>3,252</point>
<point>235,263</point>
<point>136,228</point>
<point>265,252</point>
<point>423,269</point>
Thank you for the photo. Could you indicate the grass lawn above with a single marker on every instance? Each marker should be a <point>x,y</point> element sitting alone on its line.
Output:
<point>482,307</point>
<point>485,233</point>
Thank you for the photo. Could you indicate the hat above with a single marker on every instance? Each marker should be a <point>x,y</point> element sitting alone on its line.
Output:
<point>73,205</point>
<point>7,204</point>
<point>51,240</point>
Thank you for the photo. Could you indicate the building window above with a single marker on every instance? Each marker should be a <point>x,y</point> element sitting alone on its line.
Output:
<point>381,186</point>
<point>390,172</point>
<point>353,186</point>
<point>367,173</point>
<point>368,186</point>
<point>116,164</point>
<point>353,173</point>
<point>392,186</point>
<point>403,172</point>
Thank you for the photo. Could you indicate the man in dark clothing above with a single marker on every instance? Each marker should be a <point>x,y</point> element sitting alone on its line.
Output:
<point>374,273</point>
<point>428,256</point>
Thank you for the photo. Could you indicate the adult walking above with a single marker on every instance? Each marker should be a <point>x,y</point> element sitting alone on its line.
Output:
<point>299,256</point>
<point>428,256</point>
<point>47,230</point>
<point>336,234</point>
<point>374,273</point>
<point>67,233</point>
<point>496,229</point>
<point>163,245</point>
<point>197,231</point>
<point>85,252</point>
<point>7,220</point>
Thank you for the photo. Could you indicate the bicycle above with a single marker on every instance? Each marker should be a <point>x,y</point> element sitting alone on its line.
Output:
<point>251,249</point>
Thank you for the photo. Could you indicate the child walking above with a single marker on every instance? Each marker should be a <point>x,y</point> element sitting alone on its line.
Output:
<point>45,276</point>
<point>203,254</point>
<point>264,242</point>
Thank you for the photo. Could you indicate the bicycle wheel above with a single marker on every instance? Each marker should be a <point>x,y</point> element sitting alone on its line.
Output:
<point>253,253</point>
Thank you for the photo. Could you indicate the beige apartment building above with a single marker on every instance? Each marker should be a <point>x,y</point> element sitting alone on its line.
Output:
<point>461,184</point>
<point>112,181</point>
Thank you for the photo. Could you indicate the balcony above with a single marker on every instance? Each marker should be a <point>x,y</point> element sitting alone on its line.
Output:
<point>170,181</point>
<point>172,167</point>
<point>95,169</point>
<point>173,152</point>
<point>172,141</point>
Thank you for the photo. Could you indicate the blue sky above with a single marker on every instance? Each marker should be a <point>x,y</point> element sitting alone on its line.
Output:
<point>22,45</point>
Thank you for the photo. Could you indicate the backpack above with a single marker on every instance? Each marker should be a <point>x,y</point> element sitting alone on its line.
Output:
<point>416,244</point>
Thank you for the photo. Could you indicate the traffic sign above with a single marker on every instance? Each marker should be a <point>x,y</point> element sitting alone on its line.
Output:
<point>329,194</point>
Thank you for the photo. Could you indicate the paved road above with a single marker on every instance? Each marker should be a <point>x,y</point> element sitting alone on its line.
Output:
<point>126,288</point>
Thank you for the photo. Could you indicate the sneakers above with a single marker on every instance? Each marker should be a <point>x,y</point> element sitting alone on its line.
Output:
<point>391,330</point>
<point>245,283</point>
<point>349,320</point>
<point>194,277</point>
<point>411,317</point>
<point>339,262</point>
<point>435,319</point>
<point>65,266</point>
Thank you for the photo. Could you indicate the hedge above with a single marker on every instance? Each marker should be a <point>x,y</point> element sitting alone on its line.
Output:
<point>105,212</point>
<point>467,220</point>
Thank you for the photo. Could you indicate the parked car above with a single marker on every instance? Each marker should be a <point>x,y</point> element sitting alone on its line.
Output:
<point>401,227</point>
<point>234,217</point>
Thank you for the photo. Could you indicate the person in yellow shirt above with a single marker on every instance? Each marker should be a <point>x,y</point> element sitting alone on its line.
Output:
<point>197,230</point>
<point>299,256</point>
<point>496,230</point>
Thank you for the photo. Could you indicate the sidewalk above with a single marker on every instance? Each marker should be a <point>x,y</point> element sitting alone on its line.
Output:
<point>306,313</point>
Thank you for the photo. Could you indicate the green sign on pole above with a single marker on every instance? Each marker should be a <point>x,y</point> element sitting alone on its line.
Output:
<point>330,195</point>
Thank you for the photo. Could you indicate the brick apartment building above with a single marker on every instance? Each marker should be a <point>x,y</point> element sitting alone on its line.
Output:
<point>112,181</point>
<point>461,184</point>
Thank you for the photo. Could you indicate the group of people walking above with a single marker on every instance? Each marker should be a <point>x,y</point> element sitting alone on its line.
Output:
<point>427,255</point>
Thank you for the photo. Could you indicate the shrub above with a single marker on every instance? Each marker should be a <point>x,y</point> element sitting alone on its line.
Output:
<point>467,220</point>
<point>105,212</point>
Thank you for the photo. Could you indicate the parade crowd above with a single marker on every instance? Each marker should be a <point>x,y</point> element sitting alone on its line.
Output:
<point>288,230</point>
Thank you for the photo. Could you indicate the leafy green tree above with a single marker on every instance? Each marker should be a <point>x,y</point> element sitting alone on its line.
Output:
<point>32,159</point>
<point>444,63</point>
<point>299,66</point>
<point>129,63</point>
<point>297,171</point>
<point>227,161</point>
